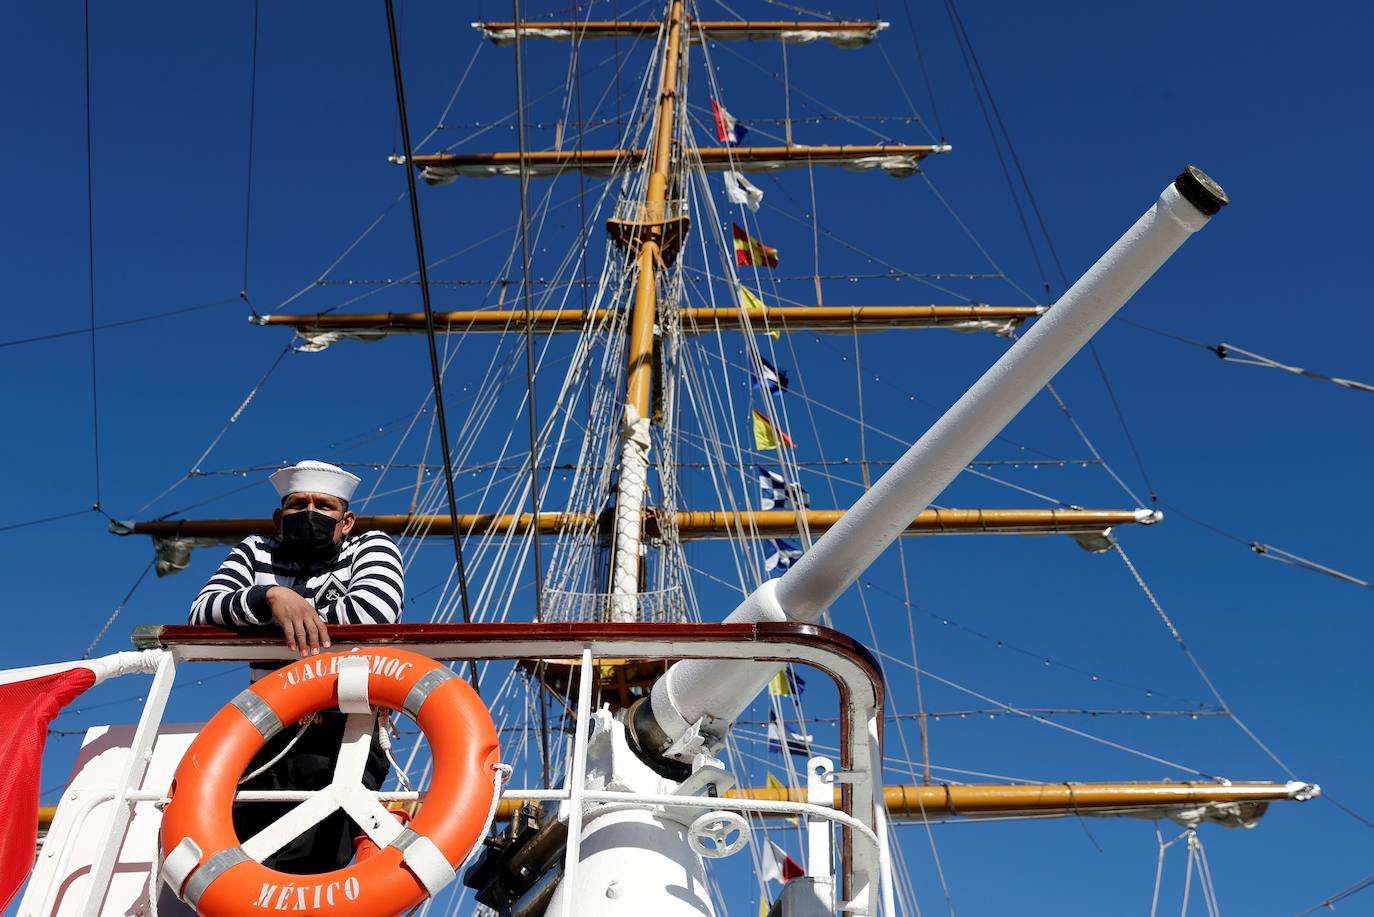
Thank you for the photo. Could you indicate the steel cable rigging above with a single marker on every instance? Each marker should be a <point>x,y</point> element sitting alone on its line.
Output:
<point>429,320</point>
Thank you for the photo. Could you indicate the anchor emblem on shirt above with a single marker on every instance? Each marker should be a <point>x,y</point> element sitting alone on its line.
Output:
<point>330,591</point>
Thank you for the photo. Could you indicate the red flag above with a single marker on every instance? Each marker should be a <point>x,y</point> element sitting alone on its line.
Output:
<point>26,709</point>
<point>777,865</point>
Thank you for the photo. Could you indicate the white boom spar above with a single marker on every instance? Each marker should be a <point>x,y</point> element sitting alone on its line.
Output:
<point>705,696</point>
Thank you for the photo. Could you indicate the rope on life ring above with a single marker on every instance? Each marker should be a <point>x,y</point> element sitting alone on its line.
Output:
<point>219,875</point>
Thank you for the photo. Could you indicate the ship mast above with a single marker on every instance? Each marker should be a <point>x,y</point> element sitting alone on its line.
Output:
<point>632,485</point>
<point>691,708</point>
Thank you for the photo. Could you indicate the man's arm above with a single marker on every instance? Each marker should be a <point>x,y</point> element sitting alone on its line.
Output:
<point>376,584</point>
<point>230,597</point>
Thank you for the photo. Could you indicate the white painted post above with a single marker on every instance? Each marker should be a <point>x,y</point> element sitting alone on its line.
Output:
<point>880,825</point>
<point>577,781</point>
<point>140,753</point>
<point>820,791</point>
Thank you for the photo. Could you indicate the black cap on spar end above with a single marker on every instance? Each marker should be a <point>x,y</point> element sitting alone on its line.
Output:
<point>1198,189</point>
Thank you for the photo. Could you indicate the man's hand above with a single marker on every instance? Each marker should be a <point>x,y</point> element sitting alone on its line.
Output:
<point>302,624</point>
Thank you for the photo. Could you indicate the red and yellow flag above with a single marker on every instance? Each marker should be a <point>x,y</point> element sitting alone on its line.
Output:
<point>751,252</point>
<point>767,436</point>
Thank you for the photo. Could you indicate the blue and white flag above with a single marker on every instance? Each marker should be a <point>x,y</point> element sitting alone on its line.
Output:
<point>784,555</point>
<point>778,739</point>
<point>776,492</point>
<point>767,376</point>
<point>741,190</point>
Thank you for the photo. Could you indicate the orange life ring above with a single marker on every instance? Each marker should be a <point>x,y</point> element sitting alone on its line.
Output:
<point>211,872</point>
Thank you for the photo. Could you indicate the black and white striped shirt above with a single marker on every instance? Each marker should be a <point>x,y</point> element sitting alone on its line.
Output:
<point>365,584</point>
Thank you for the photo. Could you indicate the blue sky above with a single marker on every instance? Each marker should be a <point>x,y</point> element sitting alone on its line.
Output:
<point>1104,102</point>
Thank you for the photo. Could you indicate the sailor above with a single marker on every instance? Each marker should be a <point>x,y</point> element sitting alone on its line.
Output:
<point>313,573</point>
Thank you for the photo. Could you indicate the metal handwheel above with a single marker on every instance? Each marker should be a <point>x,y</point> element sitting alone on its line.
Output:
<point>719,834</point>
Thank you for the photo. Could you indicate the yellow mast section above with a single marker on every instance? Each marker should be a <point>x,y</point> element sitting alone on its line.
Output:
<point>688,524</point>
<point>695,320</point>
<point>1232,804</point>
<point>652,227</point>
<point>640,372</point>
<point>1121,800</point>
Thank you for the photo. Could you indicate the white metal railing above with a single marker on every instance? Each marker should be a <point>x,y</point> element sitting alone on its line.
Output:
<point>867,860</point>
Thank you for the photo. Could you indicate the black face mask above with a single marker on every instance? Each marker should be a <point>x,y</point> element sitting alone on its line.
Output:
<point>308,536</point>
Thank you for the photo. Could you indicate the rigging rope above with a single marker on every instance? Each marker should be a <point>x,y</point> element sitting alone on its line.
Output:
<point>802,395</point>
<point>1083,435</point>
<point>90,260</point>
<point>592,125</point>
<point>980,88</point>
<point>921,278</point>
<point>925,74</point>
<point>348,249</point>
<point>1121,418</point>
<point>1225,351</point>
<point>1047,661</point>
<point>1271,552</point>
<point>439,125</point>
<point>1202,673</point>
<point>1049,240</point>
<point>1069,729</point>
<point>252,124</point>
<point>923,723</point>
<point>1329,903</point>
<point>233,419</point>
<point>429,321</point>
<point>483,406</point>
<point>90,329</point>
<point>1302,563</point>
<point>1221,702</point>
<point>9,527</point>
<point>983,88</point>
<point>853,276</point>
<point>531,402</point>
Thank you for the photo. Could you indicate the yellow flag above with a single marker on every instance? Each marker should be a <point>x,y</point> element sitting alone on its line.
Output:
<point>779,687</point>
<point>763,906</point>
<point>750,302</point>
<point>764,437</point>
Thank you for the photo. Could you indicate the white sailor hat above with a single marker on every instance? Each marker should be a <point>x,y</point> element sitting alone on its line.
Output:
<point>315,477</point>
